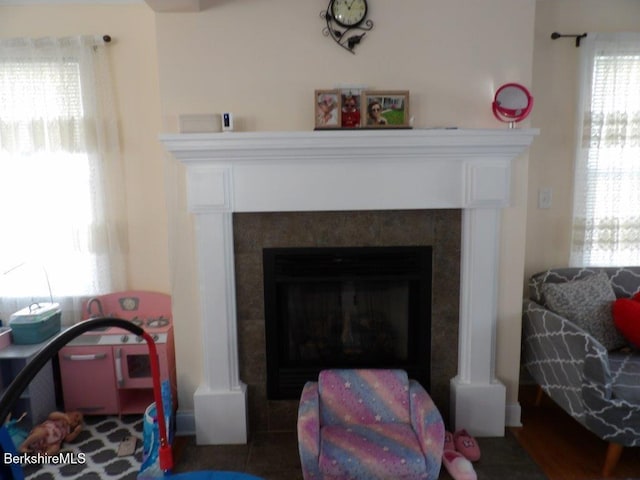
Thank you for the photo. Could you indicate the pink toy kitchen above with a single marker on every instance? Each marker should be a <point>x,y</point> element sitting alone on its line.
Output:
<point>108,371</point>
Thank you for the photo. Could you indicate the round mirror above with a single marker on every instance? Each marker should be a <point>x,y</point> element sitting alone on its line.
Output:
<point>512,103</point>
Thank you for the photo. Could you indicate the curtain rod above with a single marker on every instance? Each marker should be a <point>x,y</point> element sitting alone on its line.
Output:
<point>577,36</point>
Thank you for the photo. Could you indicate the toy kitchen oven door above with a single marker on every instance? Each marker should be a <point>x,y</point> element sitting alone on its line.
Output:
<point>108,371</point>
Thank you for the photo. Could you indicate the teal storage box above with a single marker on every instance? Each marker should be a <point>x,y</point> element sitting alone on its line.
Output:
<point>35,323</point>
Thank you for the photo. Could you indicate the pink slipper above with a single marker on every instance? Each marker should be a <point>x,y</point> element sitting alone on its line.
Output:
<point>466,445</point>
<point>458,467</point>
<point>448,441</point>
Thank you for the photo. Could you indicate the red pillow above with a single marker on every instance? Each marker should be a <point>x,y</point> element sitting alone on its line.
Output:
<point>626,316</point>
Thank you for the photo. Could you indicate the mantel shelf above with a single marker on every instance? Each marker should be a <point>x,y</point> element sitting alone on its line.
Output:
<point>332,144</point>
<point>384,169</point>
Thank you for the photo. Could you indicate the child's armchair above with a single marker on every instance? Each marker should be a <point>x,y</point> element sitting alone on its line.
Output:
<point>368,424</point>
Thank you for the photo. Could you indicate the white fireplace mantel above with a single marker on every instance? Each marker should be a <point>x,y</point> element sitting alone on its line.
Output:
<point>348,170</point>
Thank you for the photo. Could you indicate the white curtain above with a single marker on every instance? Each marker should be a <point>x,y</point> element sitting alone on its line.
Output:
<point>61,191</point>
<point>606,218</point>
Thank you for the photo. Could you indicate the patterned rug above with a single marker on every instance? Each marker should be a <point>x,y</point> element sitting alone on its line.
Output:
<point>99,441</point>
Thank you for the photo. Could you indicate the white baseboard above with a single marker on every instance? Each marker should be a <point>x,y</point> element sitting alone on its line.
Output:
<point>513,415</point>
<point>185,422</point>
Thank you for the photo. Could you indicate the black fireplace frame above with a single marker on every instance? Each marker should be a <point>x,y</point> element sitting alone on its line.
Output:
<point>413,263</point>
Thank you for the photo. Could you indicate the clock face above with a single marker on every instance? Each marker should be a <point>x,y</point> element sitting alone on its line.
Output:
<point>349,13</point>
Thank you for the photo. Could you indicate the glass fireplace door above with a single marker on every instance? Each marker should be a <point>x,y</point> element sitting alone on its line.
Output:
<point>367,307</point>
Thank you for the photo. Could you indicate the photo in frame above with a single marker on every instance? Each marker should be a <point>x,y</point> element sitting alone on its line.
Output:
<point>351,108</point>
<point>327,108</point>
<point>386,109</point>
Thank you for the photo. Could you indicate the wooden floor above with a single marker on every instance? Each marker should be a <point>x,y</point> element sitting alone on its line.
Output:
<point>562,447</point>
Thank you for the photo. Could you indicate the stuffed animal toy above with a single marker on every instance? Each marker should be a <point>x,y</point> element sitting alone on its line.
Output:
<point>47,438</point>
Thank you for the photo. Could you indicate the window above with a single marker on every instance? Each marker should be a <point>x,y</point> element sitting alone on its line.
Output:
<point>606,219</point>
<point>61,215</point>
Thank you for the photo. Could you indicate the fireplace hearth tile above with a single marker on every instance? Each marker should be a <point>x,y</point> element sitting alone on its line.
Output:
<point>249,292</point>
<point>251,348</point>
<point>283,415</point>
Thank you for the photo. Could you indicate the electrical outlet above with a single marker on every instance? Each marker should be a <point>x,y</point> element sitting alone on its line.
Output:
<point>545,197</point>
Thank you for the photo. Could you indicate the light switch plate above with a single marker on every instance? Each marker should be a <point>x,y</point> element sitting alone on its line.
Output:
<point>545,197</point>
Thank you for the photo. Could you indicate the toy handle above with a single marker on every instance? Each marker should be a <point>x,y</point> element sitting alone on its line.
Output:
<point>118,361</point>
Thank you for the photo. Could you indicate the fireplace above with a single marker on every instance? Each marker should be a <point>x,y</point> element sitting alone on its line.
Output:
<point>264,172</point>
<point>435,229</point>
<point>345,307</point>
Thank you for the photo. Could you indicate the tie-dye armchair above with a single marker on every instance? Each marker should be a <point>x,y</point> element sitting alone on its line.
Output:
<point>368,424</point>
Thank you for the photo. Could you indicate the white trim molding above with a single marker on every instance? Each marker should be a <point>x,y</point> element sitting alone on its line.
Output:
<point>174,5</point>
<point>338,171</point>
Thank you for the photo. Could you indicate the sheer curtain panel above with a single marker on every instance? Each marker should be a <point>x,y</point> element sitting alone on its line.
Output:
<point>606,217</point>
<point>61,197</point>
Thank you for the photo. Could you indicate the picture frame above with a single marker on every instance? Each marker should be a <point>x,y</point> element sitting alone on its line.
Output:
<point>351,116</point>
<point>328,109</point>
<point>385,109</point>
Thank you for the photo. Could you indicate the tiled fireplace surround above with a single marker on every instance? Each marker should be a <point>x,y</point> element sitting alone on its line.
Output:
<point>443,188</point>
<point>254,231</point>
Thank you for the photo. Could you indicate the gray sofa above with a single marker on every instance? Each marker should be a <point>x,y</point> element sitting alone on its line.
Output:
<point>591,376</point>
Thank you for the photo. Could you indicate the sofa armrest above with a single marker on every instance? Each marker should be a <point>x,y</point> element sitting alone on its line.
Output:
<point>309,430</point>
<point>563,358</point>
<point>427,422</point>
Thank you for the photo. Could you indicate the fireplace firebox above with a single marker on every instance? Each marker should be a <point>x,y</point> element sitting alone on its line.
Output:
<point>345,307</point>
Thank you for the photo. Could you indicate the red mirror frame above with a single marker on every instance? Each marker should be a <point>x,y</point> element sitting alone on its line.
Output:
<point>512,115</point>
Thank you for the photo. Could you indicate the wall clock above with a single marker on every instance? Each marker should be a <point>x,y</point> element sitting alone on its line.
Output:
<point>346,22</point>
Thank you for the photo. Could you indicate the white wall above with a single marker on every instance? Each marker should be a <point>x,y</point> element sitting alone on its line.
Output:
<point>262,60</point>
<point>555,69</point>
